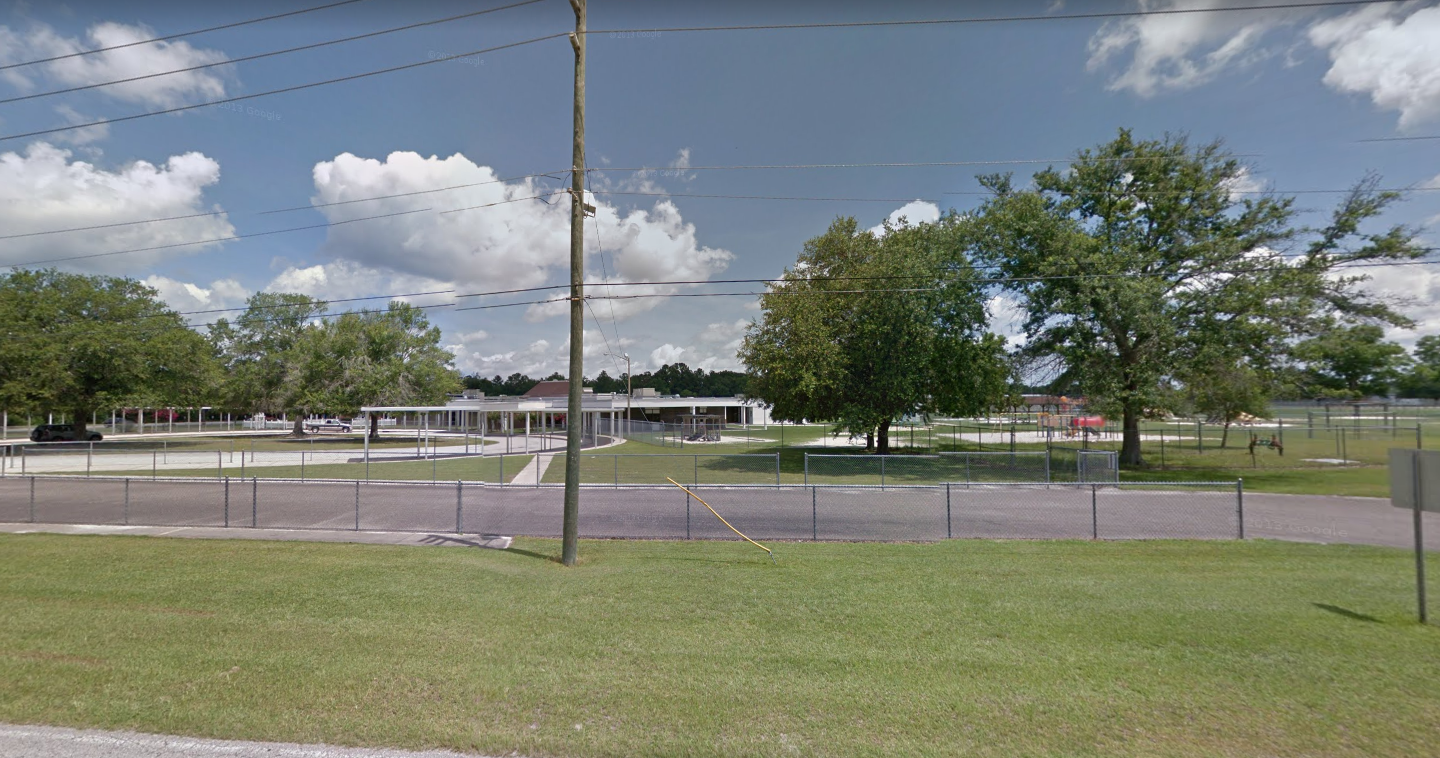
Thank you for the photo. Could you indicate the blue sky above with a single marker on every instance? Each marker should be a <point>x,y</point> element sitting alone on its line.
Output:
<point>1293,90</point>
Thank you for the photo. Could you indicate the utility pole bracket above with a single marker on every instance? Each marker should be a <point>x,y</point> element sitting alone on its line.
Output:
<point>575,42</point>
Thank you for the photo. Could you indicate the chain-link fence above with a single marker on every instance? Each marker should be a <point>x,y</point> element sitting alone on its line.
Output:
<point>964,467</point>
<point>788,512</point>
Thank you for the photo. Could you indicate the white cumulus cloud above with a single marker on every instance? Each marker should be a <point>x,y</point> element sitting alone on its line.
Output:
<point>909,214</point>
<point>43,190</point>
<point>514,241</point>
<point>1392,57</point>
<point>42,41</point>
<point>188,297</point>
<point>1180,51</point>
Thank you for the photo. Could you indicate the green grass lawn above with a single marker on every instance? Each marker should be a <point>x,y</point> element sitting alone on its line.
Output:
<point>707,649</point>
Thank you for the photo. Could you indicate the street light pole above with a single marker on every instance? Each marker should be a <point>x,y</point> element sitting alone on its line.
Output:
<point>629,394</point>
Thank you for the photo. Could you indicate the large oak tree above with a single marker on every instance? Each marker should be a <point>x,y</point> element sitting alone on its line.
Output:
<point>863,330</point>
<point>1140,259</point>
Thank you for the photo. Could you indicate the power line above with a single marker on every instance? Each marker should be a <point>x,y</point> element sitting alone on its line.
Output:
<point>236,237</point>
<point>327,301</point>
<point>1400,139</point>
<point>614,323</point>
<point>178,35</point>
<point>270,54</point>
<point>282,90</point>
<point>229,238</point>
<point>273,211</point>
<point>989,19</point>
<point>895,164</point>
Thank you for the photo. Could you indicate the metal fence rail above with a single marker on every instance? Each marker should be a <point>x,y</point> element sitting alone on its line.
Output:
<point>784,511</point>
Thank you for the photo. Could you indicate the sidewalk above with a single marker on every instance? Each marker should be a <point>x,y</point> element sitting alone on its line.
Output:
<point>57,742</point>
<point>418,539</point>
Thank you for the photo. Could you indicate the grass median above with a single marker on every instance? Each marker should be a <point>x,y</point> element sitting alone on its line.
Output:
<point>707,649</point>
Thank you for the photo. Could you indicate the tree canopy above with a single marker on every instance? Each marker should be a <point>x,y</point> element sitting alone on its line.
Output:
<point>84,343</point>
<point>1139,260</point>
<point>863,330</point>
<point>282,355</point>
<point>1351,362</point>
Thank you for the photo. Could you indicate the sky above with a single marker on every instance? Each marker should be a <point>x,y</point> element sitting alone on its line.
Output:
<point>1311,99</point>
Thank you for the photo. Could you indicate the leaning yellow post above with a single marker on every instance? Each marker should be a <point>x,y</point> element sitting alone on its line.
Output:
<point>722,518</point>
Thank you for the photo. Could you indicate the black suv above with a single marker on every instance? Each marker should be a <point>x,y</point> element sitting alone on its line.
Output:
<point>62,433</point>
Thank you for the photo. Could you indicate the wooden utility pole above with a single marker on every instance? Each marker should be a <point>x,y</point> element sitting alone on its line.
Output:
<point>574,417</point>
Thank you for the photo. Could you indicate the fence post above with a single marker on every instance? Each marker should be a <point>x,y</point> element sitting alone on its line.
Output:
<point>807,461</point>
<point>254,501</point>
<point>357,506</point>
<point>814,516</point>
<point>777,469</point>
<point>219,465</point>
<point>1047,460</point>
<point>1094,513</point>
<point>687,515</point>
<point>32,499</point>
<point>1240,505</point>
<point>227,498</point>
<point>89,452</point>
<point>882,473</point>
<point>696,475</point>
<point>1344,448</point>
<point>459,504</point>
<point>302,465</point>
<point>22,460</point>
<point>616,459</point>
<point>1418,444</point>
<point>947,511</point>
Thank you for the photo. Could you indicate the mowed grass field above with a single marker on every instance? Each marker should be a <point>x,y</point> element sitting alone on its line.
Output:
<point>709,649</point>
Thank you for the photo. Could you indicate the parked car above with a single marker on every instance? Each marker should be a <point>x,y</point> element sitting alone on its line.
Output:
<point>62,433</point>
<point>327,424</point>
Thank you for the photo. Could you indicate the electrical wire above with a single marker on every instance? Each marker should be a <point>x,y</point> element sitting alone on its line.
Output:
<point>273,211</point>
<point>251,235</point>
<point>178,35</point>
<point>990,19</point>
<point>270,54</point>
<point>282,90</point>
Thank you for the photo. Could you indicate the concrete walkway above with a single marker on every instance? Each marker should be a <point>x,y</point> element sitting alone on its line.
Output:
<point>56,742</point>
<point>430,539</point>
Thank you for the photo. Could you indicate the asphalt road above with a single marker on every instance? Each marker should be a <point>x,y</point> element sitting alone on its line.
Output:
<point>763,512</point>
<point>53,742</point>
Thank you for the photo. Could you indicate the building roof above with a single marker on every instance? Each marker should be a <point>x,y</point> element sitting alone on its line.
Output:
<point>556,388</point>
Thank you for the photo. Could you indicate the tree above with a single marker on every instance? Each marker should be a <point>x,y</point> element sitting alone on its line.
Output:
<point>259,350</point>
<point>390,357</point>
<point>863,330</point>
<point>1134,264</point>
<point>1222,388</point>
<point>1423,378</point>
<point>82,343</point>
<point>1352,361</point>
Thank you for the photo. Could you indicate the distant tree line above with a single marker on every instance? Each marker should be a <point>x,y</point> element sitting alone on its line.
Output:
<point>669,379</point>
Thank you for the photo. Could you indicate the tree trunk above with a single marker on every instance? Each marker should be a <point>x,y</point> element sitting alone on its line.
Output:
<point>884,437</point>
<point>1130,436</point>
<point>81,424</point>
<point>869,441</point>
<point>374,427</point>
<point>1224,433</point>
<point>299,430</point>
